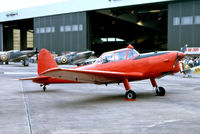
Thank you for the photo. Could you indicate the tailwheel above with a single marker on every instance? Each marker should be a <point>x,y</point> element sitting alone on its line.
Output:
<point>44,88</point>
<point>130,95</point>
<point>160,91</point>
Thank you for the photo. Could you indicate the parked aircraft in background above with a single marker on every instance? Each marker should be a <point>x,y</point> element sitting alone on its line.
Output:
<point>16,56</point>
<point>191,72</point>
<point>190,66</point>
<point>74,58</point>
<point>120,66</point>
<point>88,61</point>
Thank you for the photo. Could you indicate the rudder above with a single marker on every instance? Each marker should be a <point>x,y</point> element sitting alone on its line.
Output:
<point>45,61</point>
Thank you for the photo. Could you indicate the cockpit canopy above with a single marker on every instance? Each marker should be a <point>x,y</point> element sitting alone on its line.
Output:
<point>118,55</point>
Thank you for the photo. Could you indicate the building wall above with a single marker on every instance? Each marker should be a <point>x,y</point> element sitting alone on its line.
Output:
<point>183,24</point>
<point>1,37</point>
<point>60,33</point>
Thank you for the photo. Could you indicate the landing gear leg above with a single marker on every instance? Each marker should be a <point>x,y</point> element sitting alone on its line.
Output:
<point>160,91</point>
<point>43,87</point>
<point>130,94</point>
<point>26,63</point>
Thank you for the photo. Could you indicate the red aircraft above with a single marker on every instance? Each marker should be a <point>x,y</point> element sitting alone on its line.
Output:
<point>119,66</point>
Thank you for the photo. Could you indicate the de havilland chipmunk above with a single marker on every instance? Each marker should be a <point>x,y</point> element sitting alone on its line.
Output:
<point>17,56</point>
<point>119,66</point>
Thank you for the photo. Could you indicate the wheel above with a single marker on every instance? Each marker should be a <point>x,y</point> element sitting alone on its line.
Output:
<point>160,91</point>
<point>26,63</point>
<point>130,95</point>
<point>7,63</point>
<point>44,88</point>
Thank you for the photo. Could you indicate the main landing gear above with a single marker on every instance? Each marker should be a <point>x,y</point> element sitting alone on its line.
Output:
<point>25,62</point>
<point>44,87</point>
<point>131,95</point>
<point>160,91</point>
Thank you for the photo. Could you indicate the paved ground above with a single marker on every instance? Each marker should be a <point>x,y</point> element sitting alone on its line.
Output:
<point>92,109</point>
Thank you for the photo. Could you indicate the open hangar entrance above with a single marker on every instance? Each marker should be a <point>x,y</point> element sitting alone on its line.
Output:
<point>144,26</point>
<point>18,35</point>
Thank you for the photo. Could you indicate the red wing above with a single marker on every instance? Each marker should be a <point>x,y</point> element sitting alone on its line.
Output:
<point>90,76</point>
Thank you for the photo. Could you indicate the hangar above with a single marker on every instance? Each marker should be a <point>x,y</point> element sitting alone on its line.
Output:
<point>104,25</point>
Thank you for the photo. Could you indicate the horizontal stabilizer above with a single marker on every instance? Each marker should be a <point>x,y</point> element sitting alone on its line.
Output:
<point>35,78</point>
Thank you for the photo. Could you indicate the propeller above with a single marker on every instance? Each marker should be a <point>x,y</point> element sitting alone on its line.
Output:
<point>183,49</point>
<point>36,53</point>
<point>178,58</point>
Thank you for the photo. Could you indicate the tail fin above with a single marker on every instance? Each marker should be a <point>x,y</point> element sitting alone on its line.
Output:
<point>183,49</point>
<point>45,61</point>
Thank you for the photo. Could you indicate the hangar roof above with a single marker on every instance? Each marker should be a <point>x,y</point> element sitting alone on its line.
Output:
<point>70,6</point>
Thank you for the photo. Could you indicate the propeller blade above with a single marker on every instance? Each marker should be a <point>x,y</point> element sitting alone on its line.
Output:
<point>184,48</point>
<point>178,58</point>
<point>36,53</point>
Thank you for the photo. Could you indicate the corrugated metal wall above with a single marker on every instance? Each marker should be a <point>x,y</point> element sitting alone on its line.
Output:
<point>59,33</point>
<point>1,37</point>
<point>183,24</point>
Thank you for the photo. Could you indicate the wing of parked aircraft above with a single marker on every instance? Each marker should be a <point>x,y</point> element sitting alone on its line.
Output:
<point>17,59</point>
<point>90,76</point>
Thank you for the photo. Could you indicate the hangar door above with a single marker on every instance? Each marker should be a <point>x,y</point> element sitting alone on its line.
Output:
<point>1,37</point>
<point>17,35</point>
<point>144,26</point>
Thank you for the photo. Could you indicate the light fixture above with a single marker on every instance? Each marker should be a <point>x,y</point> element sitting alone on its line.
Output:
<point>139,23</point>
<point>113,22</point>
<point>132,11</point>
<point>159,18</point>
<point>154,11</point>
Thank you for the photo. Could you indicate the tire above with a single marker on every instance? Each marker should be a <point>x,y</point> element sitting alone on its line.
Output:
<point>44,88</point>
<point>160,91</point>
<point>130,95</point>
<point>26,63</point>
